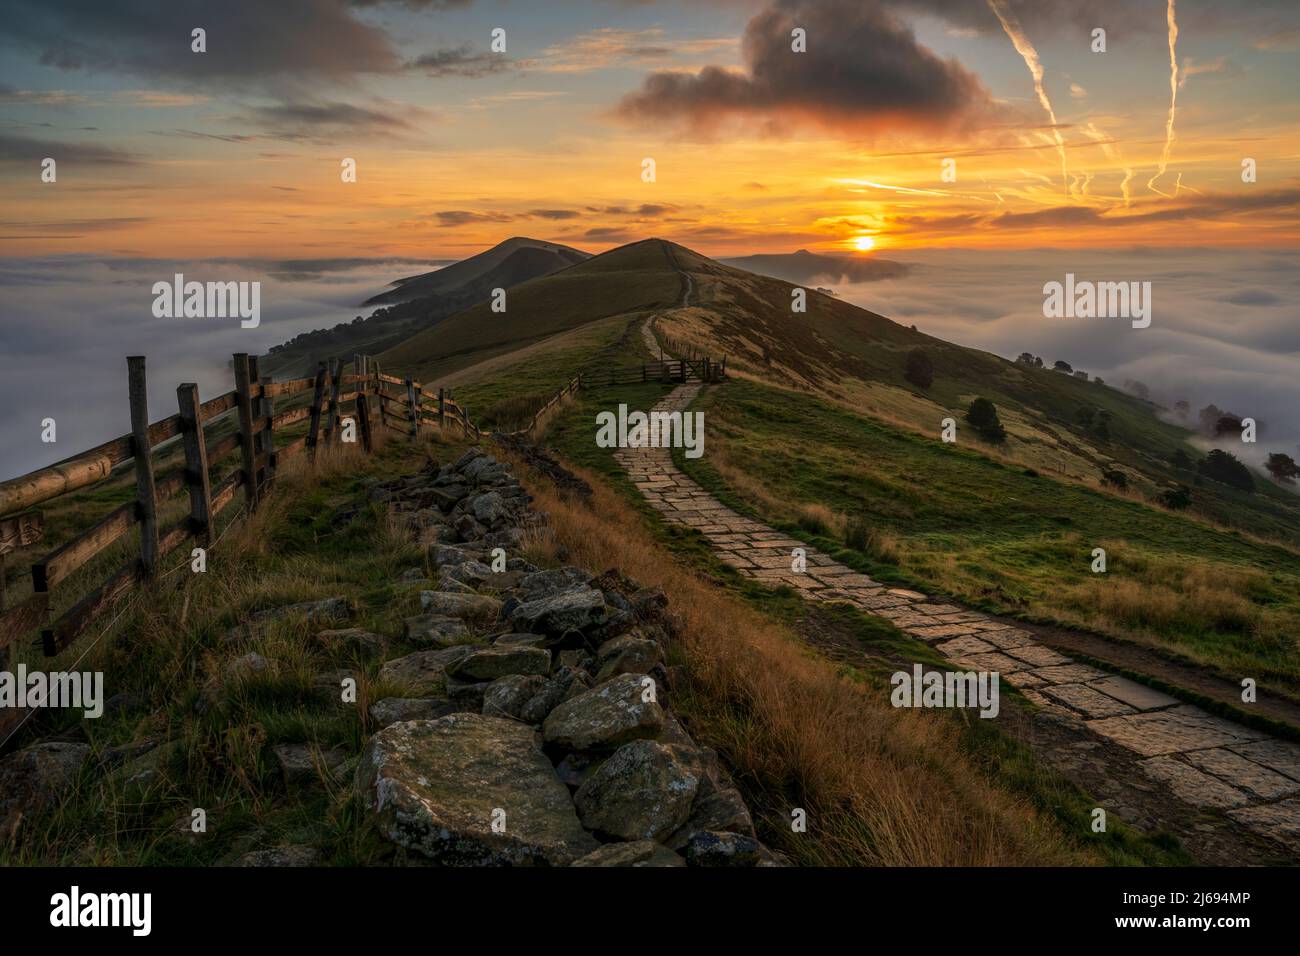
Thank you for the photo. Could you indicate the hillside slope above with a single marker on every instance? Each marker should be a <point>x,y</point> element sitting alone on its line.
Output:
<point>544,257</point>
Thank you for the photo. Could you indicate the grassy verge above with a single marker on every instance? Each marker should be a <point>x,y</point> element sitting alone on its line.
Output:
<point>1005,539</point>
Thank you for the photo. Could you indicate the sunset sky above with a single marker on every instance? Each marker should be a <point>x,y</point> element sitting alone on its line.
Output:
<point>236,151</point>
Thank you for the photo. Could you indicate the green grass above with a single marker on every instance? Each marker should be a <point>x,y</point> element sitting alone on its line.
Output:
<point>996,537</point>
<point>168,650</point>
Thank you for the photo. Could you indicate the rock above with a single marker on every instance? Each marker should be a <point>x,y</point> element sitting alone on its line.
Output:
<point>447,496</point>
<point>468,693</point>
<point>643,792</point>
<point>580,610</point>
<point>472,573</point>
<point>316,612</point>
<point>628,654</point>
<point>446,555</point>
<point>436,630</point>
<point>123,753</point>
<point>638,853</point>
<point>392,709</point>
<point>552,692</point>
<point>244,667</point>
<point>37,777</point>
<point>648,604</point>
<point>489,509</point>
<point>710,848</point>
<point>541,584</point>
<point>507,538</point>
<point>719,811</point>
<point>354,639</point>
<point>411,576</point>
<point>281,856</point>
<point>475,606</point>
<point>303,763</point>
<point>500,660</point>
<point>422,672</point>
<point>468,528</point>
<point>527,640</point>
<point>605,717</point>
<point>436,784</point>
<point>506,696</point>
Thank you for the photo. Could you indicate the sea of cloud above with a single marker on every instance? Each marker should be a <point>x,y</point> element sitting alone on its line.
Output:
<point>67,324</point>
<point>1225,323</point>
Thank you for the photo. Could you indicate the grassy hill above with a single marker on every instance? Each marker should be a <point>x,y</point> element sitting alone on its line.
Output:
<point>821,431</point>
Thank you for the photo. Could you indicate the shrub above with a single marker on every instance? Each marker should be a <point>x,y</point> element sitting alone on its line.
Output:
<point>920,370</point>
<point>1220,466</point>
<point>983,416</point>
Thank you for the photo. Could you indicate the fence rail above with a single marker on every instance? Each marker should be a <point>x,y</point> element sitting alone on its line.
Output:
<point>226,444</point>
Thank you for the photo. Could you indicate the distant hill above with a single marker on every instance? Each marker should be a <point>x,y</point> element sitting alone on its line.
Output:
<point>421,302</point>
<point>806,267</point>
<point>518,258</point>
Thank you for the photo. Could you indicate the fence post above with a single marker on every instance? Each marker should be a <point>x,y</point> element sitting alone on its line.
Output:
<point>317,397</point>
<point>332,421</point>
<point>146,497</point>
<point>197,478</point>
<point>264,411</point>
<point>245,405</point>
<point>412,409</point>
<point>442,408</point>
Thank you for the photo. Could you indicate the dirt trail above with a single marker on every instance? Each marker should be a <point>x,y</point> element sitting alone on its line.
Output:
<point>1150,758</point>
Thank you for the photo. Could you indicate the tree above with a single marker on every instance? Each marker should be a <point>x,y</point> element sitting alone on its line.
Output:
<point>1180,460</point>
<point>1138,389</point>
<point>983,416</point>
<point>1182,408</point>
<point>1227,424</point>
<point>920,370</point>
<point>1027,359</point>
<point>1081,375</point>
<point>1220,466</point>
<point>1176,498</point>
<point>1283,468</point>
<point>1061,366</point>
<point>1209,417</point>
<point>1099,380</point>
<point>1084,416</point>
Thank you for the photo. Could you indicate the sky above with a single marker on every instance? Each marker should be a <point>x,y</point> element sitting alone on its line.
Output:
<point>237,151</point>
<point>982,142</point>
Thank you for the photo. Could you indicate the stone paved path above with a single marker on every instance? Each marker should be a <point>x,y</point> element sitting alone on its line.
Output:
<point>1204,760</point>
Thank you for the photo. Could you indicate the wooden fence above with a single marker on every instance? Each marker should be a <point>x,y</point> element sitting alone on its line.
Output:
<point>244,426</point>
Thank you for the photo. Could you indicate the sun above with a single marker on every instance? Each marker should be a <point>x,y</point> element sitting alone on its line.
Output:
<point>864,243</point>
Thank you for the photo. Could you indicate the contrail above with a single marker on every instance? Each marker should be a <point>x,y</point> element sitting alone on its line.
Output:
<point>1173,95</point>
<point>1112,154</point>
<point>1026,49</point>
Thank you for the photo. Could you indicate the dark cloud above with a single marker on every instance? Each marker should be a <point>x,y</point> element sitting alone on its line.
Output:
<point>1252,297</point>
<point>1119,17</point>
<point>22,149</point>
<point>323,122</point>
<point>459,61</point>
<point>554,214</point>
<point>864,70</point>
<point>248,41</point>
<point>461,217</point>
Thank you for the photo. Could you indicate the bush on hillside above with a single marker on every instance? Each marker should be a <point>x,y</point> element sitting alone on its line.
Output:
<point>920,370</point>
<point>983,416</point>
<point>1220,466</point>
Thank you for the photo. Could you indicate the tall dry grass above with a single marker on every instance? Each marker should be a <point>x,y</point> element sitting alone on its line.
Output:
<point>881,786</point>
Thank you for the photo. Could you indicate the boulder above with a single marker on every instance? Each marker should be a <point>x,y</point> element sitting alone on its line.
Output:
<point>540,584</point>
<point>436,630</point>
<point>315,612</point>
<point>628,654</point>
<point>392,709</point>
<point>474,606</point>
<point>37,777</point>
<point>643,792</point>
<point>582,610</point>
<point>605,717</point>
<point>489,509</point>
<point>711,848</point>
<point>637,853</point>
<point>500,660</point>
<point>438,786</point>
<point>424,671</point>
<point>468,528</point>
<point>506,696</point>
<point>552,692</point>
